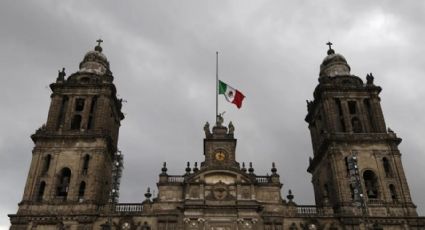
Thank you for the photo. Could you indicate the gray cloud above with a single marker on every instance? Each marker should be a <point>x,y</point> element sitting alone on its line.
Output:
<point>163,58</point>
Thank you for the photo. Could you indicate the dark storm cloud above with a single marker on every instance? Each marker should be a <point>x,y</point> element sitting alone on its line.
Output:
<point>162,55</point>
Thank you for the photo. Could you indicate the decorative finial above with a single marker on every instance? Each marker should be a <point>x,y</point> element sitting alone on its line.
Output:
<point>290,196</point>
<point>148,194</point>
<point>274,170</point>
<point>164,168</point>
<point>330,51</point>
<point>251,169</point>
<point>243,167</point>
<point>195,169</point>
<point>188,168</point>
<point>98,48</point>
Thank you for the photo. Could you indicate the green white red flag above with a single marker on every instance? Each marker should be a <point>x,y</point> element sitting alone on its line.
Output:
<point>231,94</point>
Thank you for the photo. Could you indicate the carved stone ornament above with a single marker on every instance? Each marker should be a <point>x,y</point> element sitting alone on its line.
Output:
<point>220,191</point>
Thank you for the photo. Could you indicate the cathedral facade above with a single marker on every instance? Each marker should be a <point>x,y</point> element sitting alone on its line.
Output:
<point>356,167</point>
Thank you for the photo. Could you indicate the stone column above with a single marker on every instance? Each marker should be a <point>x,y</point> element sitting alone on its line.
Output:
<point>54,111</point>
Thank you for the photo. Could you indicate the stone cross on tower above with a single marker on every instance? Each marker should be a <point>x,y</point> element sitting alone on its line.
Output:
<point>98,47</point>
<point>330,51</point>
<point>100,41</point>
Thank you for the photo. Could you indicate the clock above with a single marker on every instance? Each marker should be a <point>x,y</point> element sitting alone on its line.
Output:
<point>220,155</point>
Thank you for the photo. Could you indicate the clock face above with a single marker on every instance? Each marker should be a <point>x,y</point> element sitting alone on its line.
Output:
<point>220,155</point>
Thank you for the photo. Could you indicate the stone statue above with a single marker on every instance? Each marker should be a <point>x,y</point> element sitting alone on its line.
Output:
<point>231,128</point>
<point>220,120</point>
<point>309,104</point>
<point>207,129</point>
<point>369,79</point>
<point>61,75</point>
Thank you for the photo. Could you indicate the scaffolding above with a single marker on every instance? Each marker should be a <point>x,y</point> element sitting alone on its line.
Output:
<point>117,167</point>
<point>356,185</point>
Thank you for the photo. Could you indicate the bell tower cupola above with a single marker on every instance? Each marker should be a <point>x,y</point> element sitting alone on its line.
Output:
<point>334,64</point>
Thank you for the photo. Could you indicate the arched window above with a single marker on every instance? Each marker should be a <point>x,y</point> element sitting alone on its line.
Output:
<point>356,125</point>
<point>46,165</point>
<point>41,189</point>
<point>76,122</point>
<point>326,190</point>
<point>63,183</point>
<point>86,164</point>
<point>387,167</point>
<point>393,192</point>
<point>371,184</point>
<point>81,190</point>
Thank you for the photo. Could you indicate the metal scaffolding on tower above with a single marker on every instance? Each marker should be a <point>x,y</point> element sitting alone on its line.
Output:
<point>117,167</point>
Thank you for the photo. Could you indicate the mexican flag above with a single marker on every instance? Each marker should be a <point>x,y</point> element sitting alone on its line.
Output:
<point>231,94</point>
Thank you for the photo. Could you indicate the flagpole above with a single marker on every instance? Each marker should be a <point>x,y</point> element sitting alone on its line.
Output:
<point>216,86</point>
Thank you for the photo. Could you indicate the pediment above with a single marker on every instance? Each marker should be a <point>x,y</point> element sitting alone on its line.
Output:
<point>228,177</point>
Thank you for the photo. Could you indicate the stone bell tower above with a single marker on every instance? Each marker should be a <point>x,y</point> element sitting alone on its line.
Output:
<point>356,162</point>
<point>71,167</point>
<point>219,146</point>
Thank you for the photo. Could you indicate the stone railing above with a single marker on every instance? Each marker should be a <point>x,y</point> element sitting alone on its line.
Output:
<point>262,179</point>
<point>311,210</point>
<point>371,201</point>
<point>308,210</point>
<point>128,207</point>
<point>175,179</point>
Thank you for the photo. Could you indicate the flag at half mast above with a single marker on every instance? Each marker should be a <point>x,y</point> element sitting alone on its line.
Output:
<point>231,94</point>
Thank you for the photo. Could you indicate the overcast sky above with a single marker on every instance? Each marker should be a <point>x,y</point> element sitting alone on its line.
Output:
<point>162,55</point>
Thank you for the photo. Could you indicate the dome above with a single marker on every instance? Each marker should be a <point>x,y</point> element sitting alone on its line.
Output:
<point>334,65</point>
<point>94,62</point>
